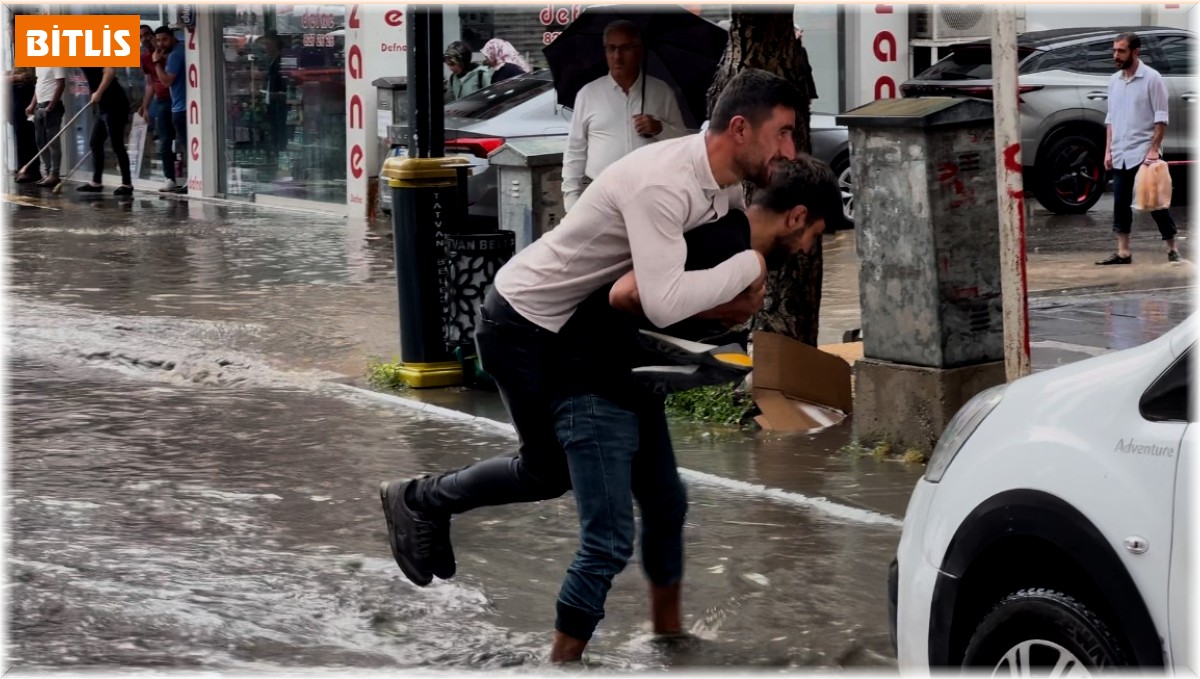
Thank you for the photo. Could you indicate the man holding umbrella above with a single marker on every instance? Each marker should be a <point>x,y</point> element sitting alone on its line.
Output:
<point>617,113</point>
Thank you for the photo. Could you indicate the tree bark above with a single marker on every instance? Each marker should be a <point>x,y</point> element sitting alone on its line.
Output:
<point>766,39</point>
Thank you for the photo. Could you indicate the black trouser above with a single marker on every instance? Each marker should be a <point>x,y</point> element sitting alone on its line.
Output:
<point>520,357</point>
<point>1122,205</point>
<point>27,146</point>
<point>110,124</point>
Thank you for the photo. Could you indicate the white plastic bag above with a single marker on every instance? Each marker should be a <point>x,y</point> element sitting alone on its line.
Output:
<point>1152,187</point>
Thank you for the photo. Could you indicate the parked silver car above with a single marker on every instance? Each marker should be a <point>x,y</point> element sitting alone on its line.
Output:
<point>525,106</point>
<point>1063,89</point>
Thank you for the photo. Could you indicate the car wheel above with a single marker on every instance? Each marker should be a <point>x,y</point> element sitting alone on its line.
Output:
<point>1040,632</point>
<point>1071,176</point>
<point>841,168</point>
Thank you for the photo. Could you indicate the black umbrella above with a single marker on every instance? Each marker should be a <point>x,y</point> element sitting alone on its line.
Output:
<point>681,49</point>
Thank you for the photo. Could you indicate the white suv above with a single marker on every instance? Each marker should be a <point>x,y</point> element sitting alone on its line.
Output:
<point>1051,527</point>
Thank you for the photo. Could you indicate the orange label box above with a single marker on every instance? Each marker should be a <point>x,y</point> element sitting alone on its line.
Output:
<point>77,40</point>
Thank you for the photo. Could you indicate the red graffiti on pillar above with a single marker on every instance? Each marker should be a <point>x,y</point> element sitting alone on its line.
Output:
<point>1010,158</point>
<point>194,112</point>
<point>195,148</point>
<point>394,18</point>
<point>356,158</point>
<point>883,9</point>
<point>354,21</point>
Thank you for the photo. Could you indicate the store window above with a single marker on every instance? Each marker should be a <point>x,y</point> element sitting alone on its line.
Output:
<point>284,99</point>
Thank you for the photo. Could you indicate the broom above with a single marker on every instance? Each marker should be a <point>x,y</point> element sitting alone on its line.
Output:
<point>63,182</point>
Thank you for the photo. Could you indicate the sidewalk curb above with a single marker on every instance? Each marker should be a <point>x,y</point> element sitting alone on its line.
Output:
<point>823,505</point>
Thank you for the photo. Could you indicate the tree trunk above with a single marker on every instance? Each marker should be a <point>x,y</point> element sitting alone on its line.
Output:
<point>766,40</point>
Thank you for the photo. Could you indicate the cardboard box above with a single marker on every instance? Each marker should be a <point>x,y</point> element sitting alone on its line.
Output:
<point>801,388</point>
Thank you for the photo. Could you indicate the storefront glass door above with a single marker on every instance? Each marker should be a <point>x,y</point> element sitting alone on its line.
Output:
<point>284,93</point>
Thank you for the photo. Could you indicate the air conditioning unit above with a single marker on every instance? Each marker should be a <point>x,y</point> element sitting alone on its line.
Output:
<point>956,23</point>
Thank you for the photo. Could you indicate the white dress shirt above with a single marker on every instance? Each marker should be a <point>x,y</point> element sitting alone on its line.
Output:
<point>602,127</point>
<point>1135,105</point>
<point>633,215</point>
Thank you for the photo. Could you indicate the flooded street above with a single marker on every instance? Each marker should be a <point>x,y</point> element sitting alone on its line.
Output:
<point>191,486</point>
<point>192,482</point>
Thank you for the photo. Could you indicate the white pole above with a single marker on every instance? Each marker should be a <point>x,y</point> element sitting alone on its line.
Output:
<point>1010,197</point>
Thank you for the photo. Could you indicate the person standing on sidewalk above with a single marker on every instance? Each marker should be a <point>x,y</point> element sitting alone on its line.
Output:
<point>109,124</point>
<point>47,110</point>
<point>156,103</point>
<point>466,76</point>
<point>169,63</point>
<point>1136,123</point>
<point>22,82</point>
<point>504,60</point>
<point>635,217</point>
<point>611,118</point>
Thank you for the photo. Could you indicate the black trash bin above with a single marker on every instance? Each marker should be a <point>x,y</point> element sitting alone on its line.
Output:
<point>425,206</point>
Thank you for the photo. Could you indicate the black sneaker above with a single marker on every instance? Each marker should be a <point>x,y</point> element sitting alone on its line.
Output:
<point>1173,256</point>
<point>123,191</point>
<point>90,188</point>
<point>1116,259</point>
<point>419,542</point>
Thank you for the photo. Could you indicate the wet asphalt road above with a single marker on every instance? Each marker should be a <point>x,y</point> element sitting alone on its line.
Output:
<point>189,486</point>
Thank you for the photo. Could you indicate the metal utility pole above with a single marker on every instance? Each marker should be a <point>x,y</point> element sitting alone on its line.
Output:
<point>1010,193</point>
<point>426,117</point>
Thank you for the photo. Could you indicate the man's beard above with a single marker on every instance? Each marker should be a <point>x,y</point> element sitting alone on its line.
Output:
<point>1124,64</point>
<point>757,174</point>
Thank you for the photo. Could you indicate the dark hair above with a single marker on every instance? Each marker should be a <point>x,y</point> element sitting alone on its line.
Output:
<point>752,94</point>
<point>163,29</point>
<point>1130,39</point>
<point>145,27</point>
<point>804,181</point>
<point>624,26</point>
<point>460,52</point>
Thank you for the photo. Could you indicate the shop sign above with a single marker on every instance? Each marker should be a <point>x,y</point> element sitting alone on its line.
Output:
<point>556,18</point>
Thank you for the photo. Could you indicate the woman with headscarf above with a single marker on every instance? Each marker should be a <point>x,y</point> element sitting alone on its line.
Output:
<point>505,60</point>
<point>465,75</point>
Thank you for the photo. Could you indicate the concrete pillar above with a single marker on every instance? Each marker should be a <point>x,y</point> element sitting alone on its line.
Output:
<point>927,234</point>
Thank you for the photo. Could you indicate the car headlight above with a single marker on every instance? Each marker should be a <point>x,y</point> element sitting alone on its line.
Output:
<point>962,425</point>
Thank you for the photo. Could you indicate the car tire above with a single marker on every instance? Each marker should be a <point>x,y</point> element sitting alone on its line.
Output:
<point>1042,627</point>
<point>1070,175</point>
<point>841,170</point>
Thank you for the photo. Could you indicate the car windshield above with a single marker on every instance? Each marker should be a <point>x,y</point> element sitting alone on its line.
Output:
<point>495,99</point>
<point>973,62</point>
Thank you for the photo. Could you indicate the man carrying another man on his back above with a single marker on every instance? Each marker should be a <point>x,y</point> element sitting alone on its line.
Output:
<point>612,117</point>
<point>581,435</point>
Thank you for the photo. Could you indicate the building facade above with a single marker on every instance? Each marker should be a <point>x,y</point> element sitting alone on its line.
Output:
<point>282,108</point>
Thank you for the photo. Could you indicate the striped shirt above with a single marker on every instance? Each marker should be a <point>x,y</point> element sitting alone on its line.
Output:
<point>1135,105</point>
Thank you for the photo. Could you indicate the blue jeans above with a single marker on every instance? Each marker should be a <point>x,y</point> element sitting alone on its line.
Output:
<point>1123,181</point>
<point>616,455</point>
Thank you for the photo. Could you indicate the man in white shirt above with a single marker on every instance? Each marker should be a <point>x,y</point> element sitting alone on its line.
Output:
<point>47,111</point>
<point>611,118</point>
<point>1136,123</point>
<point>633,218</point>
